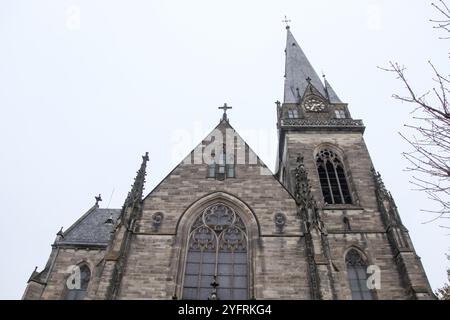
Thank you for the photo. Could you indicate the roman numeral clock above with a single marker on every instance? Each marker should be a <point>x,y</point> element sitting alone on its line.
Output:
<point>314,104</point>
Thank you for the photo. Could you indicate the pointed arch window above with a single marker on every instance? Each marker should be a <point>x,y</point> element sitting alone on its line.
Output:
<point>357,276</point>
<point>79,283</point>
<point>332,178</point>
<point>216,262</point>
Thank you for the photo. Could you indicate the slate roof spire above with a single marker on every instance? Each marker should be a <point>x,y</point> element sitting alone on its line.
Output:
<point>299,72</point>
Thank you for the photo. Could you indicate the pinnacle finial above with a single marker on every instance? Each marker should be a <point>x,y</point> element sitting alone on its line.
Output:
<point>286,20</point>
<point>60,233</point>
<point>325,86</point>
<point>137,188</point>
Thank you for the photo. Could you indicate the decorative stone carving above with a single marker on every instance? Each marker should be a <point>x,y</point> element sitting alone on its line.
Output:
<point>323,122</point>
<point>134,197</point>
<point>157,219</point>
<point>303,195</point>
<point>280,221</point>
<point>386,203</point>
<point>353,258</point>
<point>308,212</point>
<point>131,210</point>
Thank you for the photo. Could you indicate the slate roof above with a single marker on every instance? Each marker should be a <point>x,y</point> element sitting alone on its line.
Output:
<point>297,70</point>
<point>91,228</point>
<point>331,93</point>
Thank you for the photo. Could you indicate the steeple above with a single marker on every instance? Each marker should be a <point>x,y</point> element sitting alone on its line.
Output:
<point>310,104</point>
<point>299,72</point>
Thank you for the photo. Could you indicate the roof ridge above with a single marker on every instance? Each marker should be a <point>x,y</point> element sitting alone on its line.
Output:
<point>79,220</point>
<point>221,123</point>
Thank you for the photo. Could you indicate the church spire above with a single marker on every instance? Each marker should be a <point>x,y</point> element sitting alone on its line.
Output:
<point>299,72</point>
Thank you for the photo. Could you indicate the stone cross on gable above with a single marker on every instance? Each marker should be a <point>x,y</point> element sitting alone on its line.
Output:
<point>225,107</point>
<point>98,199</point>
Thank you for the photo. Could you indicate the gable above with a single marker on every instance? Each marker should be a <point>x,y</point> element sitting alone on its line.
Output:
<point>254,184</point>
<point>223,138</point>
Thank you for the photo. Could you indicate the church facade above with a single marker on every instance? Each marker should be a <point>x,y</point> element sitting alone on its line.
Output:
<point>222,226</point>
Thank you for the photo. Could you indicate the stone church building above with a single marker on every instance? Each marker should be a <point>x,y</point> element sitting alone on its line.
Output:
<point>222,226</point>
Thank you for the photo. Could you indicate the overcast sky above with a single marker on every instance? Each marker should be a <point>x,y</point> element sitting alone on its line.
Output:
<point>86,87</point>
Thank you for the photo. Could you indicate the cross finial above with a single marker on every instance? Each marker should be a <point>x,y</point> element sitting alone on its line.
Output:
<point>286,21</point>
<point>225,107</point>
<point>97,199</point>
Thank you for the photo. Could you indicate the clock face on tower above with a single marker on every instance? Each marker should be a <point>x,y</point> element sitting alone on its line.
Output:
<point>314,104</point>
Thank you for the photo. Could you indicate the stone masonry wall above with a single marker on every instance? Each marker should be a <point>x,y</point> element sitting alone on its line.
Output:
<point>278,264</point>
<point>67,258</point>
<point>367,229</point>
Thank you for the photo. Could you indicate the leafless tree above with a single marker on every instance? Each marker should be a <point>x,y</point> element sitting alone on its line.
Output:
<point>444,22</point>
<point>429,156</point>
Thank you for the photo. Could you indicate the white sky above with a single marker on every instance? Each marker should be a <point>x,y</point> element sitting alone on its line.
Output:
<point>80,103</point>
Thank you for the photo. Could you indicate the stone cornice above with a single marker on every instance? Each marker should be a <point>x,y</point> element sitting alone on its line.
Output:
<point>321,124</point>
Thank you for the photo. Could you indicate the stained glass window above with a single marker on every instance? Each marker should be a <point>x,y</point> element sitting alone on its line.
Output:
<point>217,252</point>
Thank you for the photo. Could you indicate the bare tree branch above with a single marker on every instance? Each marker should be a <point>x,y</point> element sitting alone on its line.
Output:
<point>443,24</point>
<point>429,156</point>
